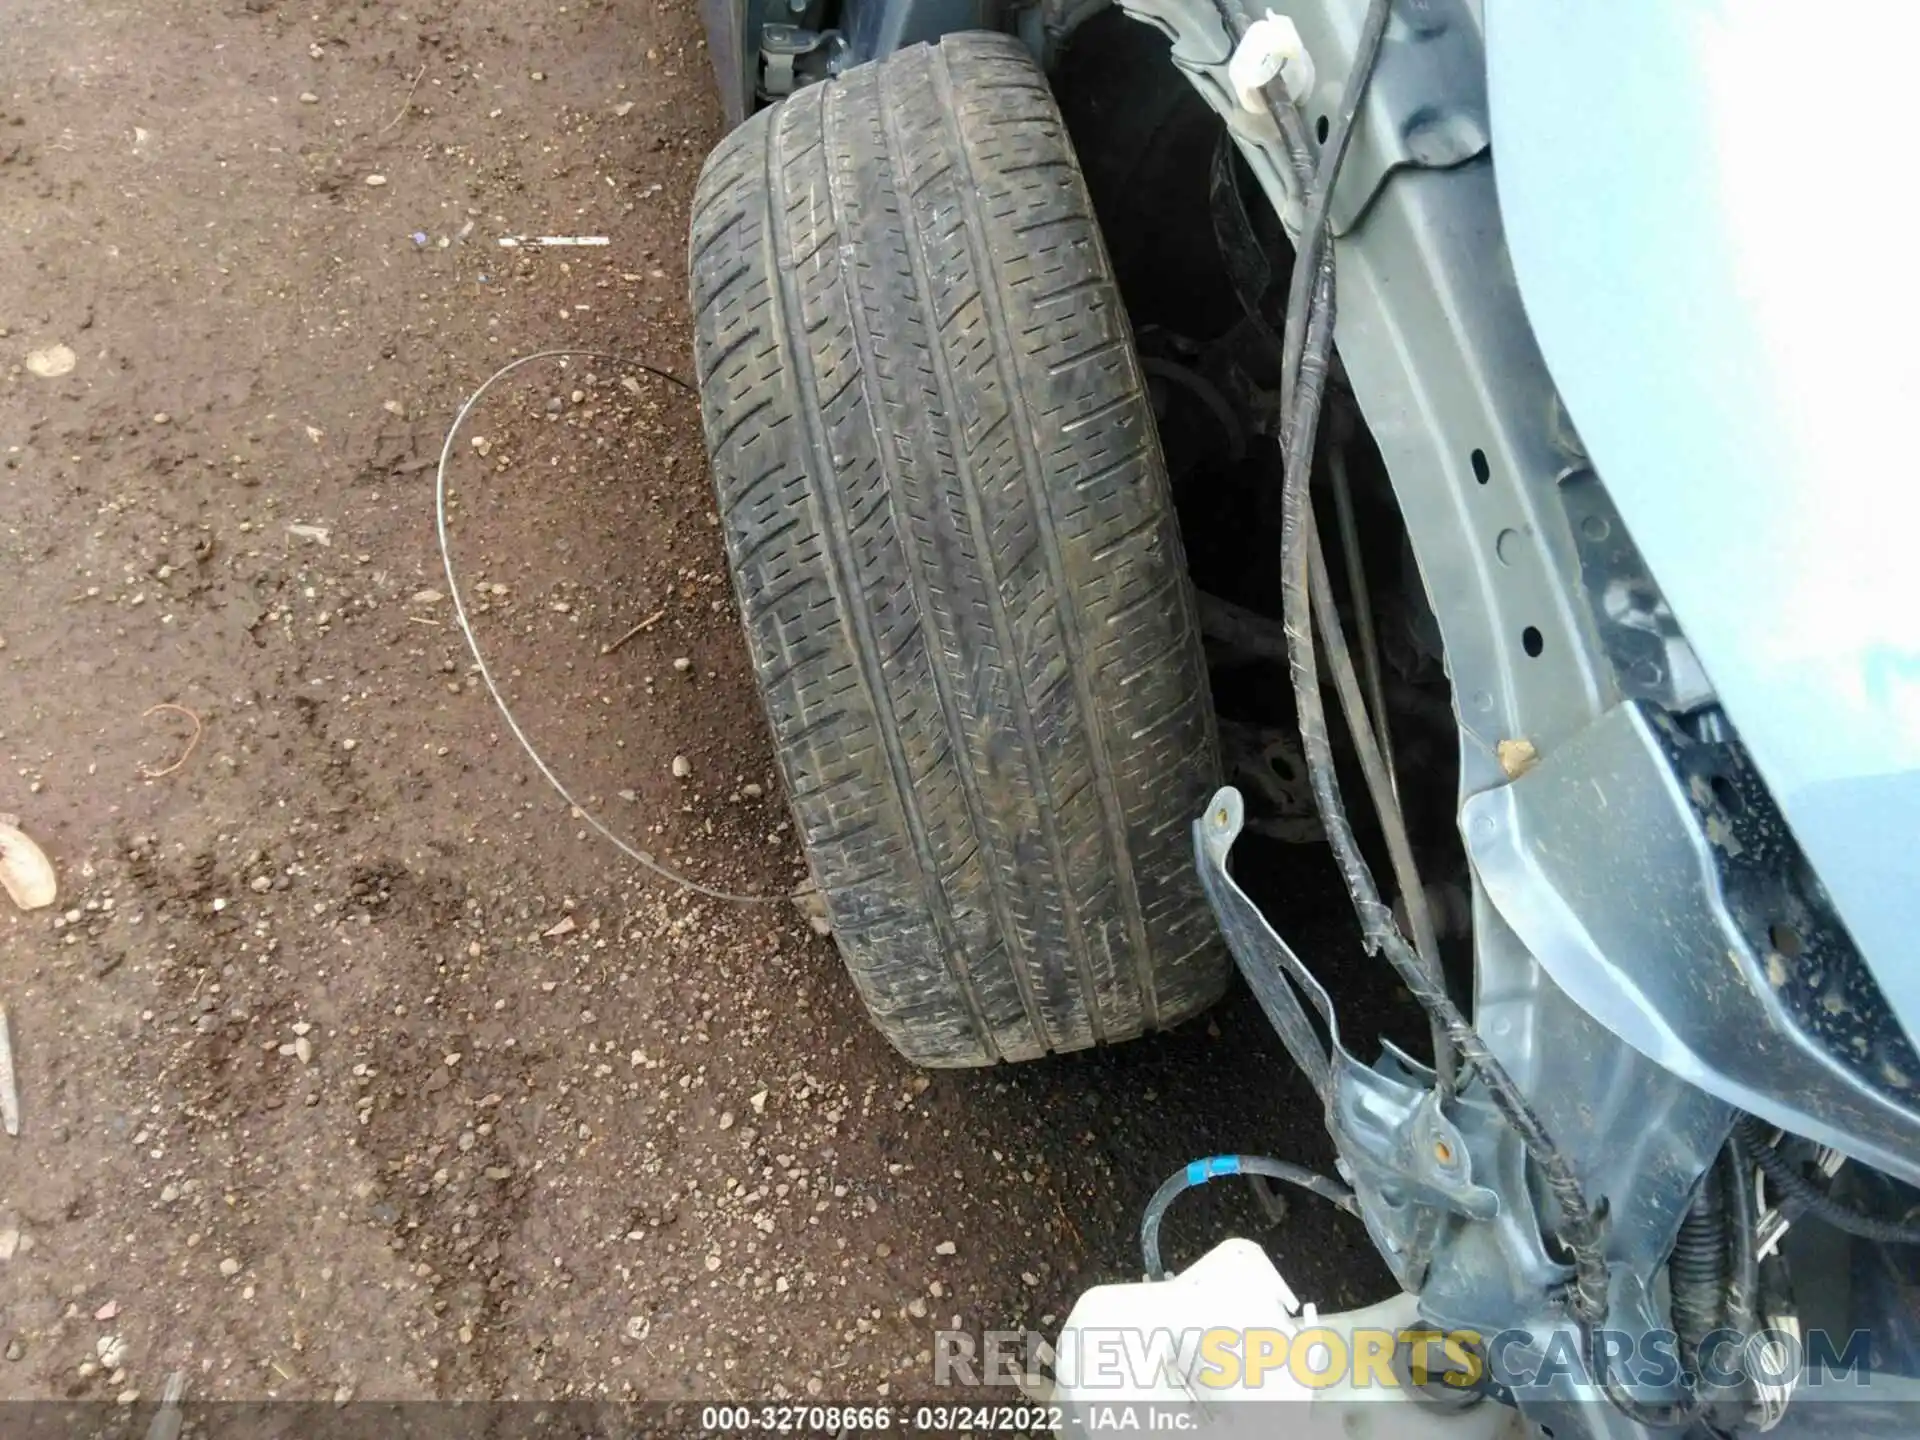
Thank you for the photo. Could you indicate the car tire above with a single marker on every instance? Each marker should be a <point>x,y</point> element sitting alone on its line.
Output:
<point>954,546</point>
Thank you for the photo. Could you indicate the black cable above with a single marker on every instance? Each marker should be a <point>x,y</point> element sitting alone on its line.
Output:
<point>1697,1269</point>
<point>1316,244</point>
<point>1199,1172</point>
<point>1579,1228</point>
<point>1310,317</point>
<point>1743,1267</point>
<point>1714,1270</point>
<point>1309,328</point>
<point>1656,1414</point>
<point>1814,1201</point>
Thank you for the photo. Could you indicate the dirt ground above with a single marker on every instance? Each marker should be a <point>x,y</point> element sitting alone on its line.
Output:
<point>351,1063</point>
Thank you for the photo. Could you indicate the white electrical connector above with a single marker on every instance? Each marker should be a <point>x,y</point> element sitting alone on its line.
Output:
<point>1270,50</point>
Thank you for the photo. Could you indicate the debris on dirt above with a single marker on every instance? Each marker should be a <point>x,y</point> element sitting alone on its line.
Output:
<point>682,664</point>
<point>401,113</point>
<point>52,362</point>
<point>376,180</point>
<point>9,1241</point>
<point>25,870</point>
<point>758,1100</point>
<point>9,1083</point>
<point>168,1420</point>
<point>1517,757</point>
<point>813,905</point>
<point>640,629</point>
<point>518,242</point>
<point>192,740</point>
<point>946,1247</point>
<point>564,926</point>
<point>682,767</point>
<point>107,1311</point>
<point>319,534</point>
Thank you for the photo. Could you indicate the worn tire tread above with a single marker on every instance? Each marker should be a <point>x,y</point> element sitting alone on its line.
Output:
<point>954,547</point>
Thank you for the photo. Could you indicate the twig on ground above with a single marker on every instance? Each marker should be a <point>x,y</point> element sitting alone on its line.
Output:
<point>1067,1220</point>
<point>646,624</point>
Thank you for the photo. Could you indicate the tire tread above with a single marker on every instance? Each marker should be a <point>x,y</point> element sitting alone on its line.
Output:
<point>952,534</point>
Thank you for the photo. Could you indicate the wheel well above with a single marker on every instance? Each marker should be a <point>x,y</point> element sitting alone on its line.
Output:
<point>1202,264</point>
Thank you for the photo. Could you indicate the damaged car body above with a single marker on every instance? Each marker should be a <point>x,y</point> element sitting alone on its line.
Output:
<point>1516,327</point>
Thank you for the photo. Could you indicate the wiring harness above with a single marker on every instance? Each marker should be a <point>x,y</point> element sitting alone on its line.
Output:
<point>1307,601</point>
<point>1811,1199</point>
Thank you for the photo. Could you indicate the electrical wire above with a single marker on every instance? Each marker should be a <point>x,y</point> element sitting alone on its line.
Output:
<point>1309,345</point>
<point>1309,328</point>
<point>1376,769</point>
<point>1315,252</point>
<point>1697,1269</point>
<point>641,857</point>
<point>1199,1172</point>
<point>1310,318</point>
<point>1307,596</point>
<point>1814,1201</point>
<point>1354,563</point>
<point>1743,1269</point>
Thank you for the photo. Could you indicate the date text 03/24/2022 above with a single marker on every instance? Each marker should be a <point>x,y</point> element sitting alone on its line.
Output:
<point>878,1419</point>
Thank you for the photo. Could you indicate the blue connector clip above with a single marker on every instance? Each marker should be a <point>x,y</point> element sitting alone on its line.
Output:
<point>1201,1171</point>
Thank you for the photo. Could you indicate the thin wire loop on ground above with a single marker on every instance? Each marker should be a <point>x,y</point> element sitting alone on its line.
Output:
<point>167,706</point>
<point>480,660</point>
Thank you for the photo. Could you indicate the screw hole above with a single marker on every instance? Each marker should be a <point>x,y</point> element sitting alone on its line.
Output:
<point>1724,792</point>
<point>1787,939</point>
<point>1320,128</point>
<point>1532,641</point>
<point>1482,471</point>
